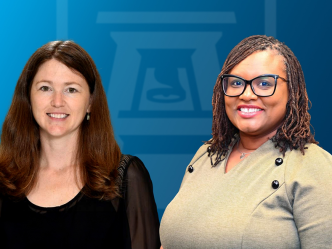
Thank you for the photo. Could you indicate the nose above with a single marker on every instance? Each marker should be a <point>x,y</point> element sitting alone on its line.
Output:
<point>57,99</point>
<point>248,94</point>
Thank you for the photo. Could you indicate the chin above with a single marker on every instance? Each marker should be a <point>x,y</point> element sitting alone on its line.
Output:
<point>253,131</point>
<point>54,132</point>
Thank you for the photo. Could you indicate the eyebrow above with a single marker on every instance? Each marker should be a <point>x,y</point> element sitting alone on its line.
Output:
<point>42,81</point>
<point>66,83</point>
<point>72,83</point>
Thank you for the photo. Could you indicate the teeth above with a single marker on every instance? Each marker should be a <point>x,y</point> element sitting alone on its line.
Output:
<point>57,115</point>
<point>249,109</point>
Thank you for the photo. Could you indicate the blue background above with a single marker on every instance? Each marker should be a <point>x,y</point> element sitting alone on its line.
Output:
<point>142,48</point>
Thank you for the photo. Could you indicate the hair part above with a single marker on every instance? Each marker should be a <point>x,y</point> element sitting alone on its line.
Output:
<point>294,133</point>
<point>98,153</point>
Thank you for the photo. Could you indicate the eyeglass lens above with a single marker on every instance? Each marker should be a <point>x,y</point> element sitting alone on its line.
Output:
<point>263,86</point>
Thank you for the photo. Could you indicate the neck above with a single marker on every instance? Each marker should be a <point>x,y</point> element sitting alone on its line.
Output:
<point>58,153</point>
<point>252,142</point>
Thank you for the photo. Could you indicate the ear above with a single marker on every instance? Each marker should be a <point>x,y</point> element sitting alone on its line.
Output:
<point>89,106</point>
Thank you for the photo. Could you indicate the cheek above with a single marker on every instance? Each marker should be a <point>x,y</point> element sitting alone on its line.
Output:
<point>37,100</point>
<point>36,113</point>
<point>277,108</point>
<point>230,107</point>
<point>34,106</point>
<point>279,100</point>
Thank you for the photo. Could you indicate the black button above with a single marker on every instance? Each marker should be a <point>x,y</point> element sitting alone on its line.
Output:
<point>209,150</point>
<point>190,169</point>
<point>275,184</point>
<point>279,161</point>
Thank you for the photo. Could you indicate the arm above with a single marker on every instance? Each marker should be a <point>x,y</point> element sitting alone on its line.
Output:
<point>141,208</point>
<point>309,190</point>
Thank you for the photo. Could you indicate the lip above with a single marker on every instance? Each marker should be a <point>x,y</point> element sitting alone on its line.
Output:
<point>57,115</point>
<point>249,111</point>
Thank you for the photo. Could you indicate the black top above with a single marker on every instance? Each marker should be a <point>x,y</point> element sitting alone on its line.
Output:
<point>83,222</point>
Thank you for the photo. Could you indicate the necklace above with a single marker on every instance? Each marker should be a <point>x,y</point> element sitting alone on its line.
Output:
<point>243,154</point>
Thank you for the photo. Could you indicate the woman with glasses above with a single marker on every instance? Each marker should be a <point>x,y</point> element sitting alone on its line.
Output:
<point>261,181</point>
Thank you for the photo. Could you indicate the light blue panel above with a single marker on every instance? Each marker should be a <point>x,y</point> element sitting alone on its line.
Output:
<point>166,17</point>
<point>159,61</point>
<point>24,26</point>
<point>62,19</point>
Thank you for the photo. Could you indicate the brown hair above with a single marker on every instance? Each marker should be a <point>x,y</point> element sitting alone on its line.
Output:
<point>294,132</point>
<point>98,154</point>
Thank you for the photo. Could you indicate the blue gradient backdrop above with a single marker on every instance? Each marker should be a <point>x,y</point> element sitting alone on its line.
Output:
<point>159,61</point>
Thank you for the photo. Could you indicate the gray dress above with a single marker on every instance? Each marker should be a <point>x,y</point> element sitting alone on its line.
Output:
<point>257,204</point>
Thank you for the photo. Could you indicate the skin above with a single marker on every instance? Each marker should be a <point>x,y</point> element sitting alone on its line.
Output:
<point>257,129</point>
<point>57,89</point>
<point>60,99</point>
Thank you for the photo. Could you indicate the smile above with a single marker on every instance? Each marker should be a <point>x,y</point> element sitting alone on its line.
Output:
<point>247,110</point>
<point>53,115</point>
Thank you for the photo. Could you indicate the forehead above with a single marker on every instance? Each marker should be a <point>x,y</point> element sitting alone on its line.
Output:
<point>260,62</point>
<point>54,69</point>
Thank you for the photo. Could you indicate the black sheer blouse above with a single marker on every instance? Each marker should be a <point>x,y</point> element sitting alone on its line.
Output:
<point>83,222</point>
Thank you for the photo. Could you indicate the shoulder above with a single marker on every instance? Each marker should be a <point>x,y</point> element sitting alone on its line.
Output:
<point>314,159</point>
<point>317,153</point>
<point>310,172</point>
<point>200,152</point>
<point>137,185</point>
<point>132,164</point>
<point>200,163</point>
<point>132,170</point>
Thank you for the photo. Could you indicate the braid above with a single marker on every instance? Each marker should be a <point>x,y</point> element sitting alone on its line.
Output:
<point>294,132</point>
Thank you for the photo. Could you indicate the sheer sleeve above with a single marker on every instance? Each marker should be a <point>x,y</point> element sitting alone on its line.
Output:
<point>141,207</point>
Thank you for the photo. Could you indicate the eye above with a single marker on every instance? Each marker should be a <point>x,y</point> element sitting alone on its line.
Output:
<point>45,88</point>
<point>265,83</point>
<point>236,83</point>
<point>71,90</point>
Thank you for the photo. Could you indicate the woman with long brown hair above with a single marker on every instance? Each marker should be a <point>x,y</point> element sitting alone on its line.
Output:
<point>261,181</point>
<point>63,180</point>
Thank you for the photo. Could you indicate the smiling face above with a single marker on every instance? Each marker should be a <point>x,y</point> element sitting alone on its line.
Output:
<point>253,115</point>
<point>60,99</point>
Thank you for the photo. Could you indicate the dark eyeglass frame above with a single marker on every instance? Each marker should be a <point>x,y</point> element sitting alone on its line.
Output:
<point>249,82</point>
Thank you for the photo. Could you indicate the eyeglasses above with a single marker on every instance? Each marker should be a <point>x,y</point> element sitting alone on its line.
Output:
<point>263,85</point>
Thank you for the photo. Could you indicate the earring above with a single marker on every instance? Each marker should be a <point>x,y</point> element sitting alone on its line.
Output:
<point>88,116</point>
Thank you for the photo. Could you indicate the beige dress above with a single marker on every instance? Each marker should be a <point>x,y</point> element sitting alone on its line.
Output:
<point>257,204</point>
